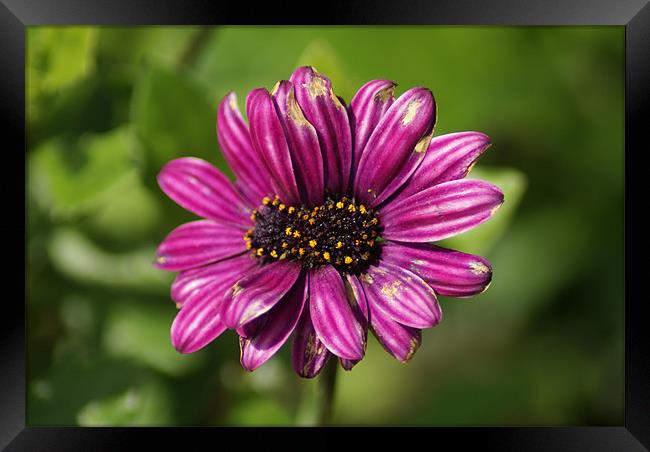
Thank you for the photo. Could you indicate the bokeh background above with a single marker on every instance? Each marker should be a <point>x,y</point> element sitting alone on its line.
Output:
<point>107,107</point>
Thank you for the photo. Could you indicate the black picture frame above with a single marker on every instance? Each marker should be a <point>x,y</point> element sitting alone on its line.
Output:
<point>634,15</point>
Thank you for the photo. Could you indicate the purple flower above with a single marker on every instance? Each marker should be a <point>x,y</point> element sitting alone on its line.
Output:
<point>325,233</point>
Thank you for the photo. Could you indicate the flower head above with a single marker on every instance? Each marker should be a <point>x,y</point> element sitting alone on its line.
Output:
<point>325,233</point>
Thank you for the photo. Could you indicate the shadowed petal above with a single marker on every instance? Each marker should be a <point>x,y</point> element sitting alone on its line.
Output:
<point>303,144</point>
<point>229,271</point>
<point>198,243</point>
<point>280,322</point>
<point>330,119</point>
<point>270,142</point>
<point>441,211</point>
<point>199,322</point>
<point>202,189</point>
<point>367,107</point>
<point>335,322</point>
<point>449,272</point>
<point>235,142</point>
<point>258,291</point>
<point>308,355</point>
<point>399,340</point>
<point>449,157</point>
<point>396,146</point>
<point>402,295</point>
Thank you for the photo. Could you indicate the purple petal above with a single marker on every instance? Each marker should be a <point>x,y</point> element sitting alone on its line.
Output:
<point>396,146</point>
<point>357,298</point>
<point>198,323</point>
<point>308,355</point>
<point>303,144</point>
<point>258,291</point>
<point>449,157</point>
<point>441,211</point>
<point>399,340</point>
<point>235,142</point>
<point>335,322</point>
<point>449,272</point>
<point>228,271</point>
<point>202,189</point>
<point>280,322</point>
<point>198,243</point>
<point>368,106</point>
<point>403,295</point>
<point>270,143</point>
<point>330,119</point>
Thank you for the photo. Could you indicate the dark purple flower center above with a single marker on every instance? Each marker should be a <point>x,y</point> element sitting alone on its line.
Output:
<point>339,232</point>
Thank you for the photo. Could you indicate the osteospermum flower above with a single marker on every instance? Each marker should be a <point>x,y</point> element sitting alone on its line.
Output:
<point>326,232</point>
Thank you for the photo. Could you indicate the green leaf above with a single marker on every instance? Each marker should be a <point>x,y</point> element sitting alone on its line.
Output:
<point>480,239</point>
<point>75,256</point>
<point>68,178</point>
<point>57,57</point>
<point>141,332</point>
<point>173,117</point>
<point>148,403</point>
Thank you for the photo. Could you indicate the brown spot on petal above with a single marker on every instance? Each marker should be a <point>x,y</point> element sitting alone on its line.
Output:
<point>423,144</point>
<point>317,87</point>
<point>232,102</point>
<point>294,111</point>
<point>383,95</point>
<point>335,100</point>
<point>236,290</point>
<point>478,268</point>
<point>367,278</point>
<point>390,289</point>
<point>411,110</point>
<point>415,344</point>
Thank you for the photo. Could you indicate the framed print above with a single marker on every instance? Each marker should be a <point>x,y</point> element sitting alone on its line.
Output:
<point>396,215</point>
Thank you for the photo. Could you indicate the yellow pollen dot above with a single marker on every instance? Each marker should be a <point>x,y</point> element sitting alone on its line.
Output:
<point>301,251</point>
<point>282,207</point>
<point>364,236</point>
<point>274,253</point>
<point>296,234</point>
<point>287,231</point>
<point>339,205</point>
<point>374,221</point>
<point>312,221</point>
<point>316,208</point>
<point>326,255</point>
<point>356,242</point>
<point>313,243</point>
<point>351,208</point>
<point>305,217</point>
<point>362,208</point>
<point>253,215</point>
<point>266,200</point>
<point>285,245</point>
<point>339,245</point>
<point>316,253</point>
<point>248,245</point>
<point>292,209</point>
<point>348,260</point>
<point>260,251</point>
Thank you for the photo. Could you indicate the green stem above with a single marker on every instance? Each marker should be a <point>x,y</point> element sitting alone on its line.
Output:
<point>327,386</point>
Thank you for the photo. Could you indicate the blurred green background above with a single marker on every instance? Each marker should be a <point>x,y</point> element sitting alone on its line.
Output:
<point>107,107</point>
